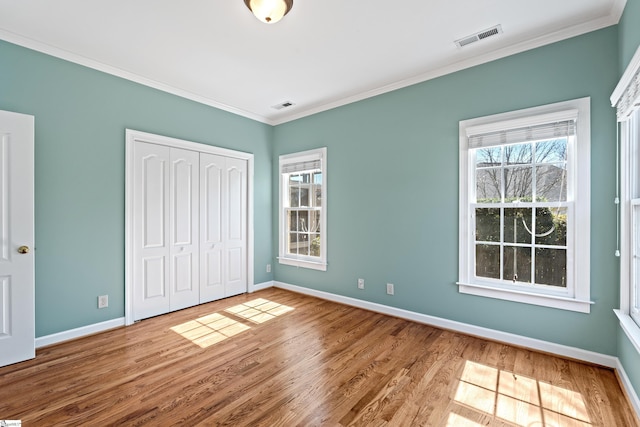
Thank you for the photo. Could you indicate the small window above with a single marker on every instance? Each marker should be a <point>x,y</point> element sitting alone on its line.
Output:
<point>303,198</point>
<point>524,201</point>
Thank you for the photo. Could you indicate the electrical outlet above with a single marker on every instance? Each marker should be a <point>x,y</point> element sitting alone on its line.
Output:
<point>360,283</point>
<point>268,268</point>
<point>103,301</point>
<point>389,288</point>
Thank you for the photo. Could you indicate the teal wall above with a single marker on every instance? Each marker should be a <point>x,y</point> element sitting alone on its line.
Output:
<point>629,41</point>
<point>629,34</point>
<point>81,117</point>
<point>393,189</point>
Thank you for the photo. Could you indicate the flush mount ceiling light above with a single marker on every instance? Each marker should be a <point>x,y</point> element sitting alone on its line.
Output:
<point>269,11</point>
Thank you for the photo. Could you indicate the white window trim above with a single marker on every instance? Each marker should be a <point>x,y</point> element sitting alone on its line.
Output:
<point>626,99</point>
<point>283,258</point>
<point>578,297</point>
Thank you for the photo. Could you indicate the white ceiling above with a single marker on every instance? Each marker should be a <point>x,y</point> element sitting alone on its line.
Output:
<point>323,54</point>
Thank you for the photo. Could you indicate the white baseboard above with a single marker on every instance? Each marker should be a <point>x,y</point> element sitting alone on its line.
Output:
<point>109,324</point>
<point>261,286</point>
<point>78,332</point>
<point>626,383</point>
<point>492,334</point>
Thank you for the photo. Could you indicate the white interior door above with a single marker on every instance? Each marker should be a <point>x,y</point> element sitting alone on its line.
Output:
<point>223,226</point>
<point>165,229</point>
<point>17,297</point>
<point>212,220</point>
<point>184,219</point>
<point>235,242</point>
<point>151,228</point>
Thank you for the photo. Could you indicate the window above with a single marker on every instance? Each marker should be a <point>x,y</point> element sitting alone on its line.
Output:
<point>303,205</point>
<point>626,99</point>
<point>632,140</point>
<point>524,206</point>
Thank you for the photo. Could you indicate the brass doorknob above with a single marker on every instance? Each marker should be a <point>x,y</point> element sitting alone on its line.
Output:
<point>23,250</point>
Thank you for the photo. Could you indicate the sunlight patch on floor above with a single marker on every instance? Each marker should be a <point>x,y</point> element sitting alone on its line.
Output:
<point>216,327</point>
<point>456,420</point>
<point>518,399</point>
<point>259,310</point>
<point>210,329</point>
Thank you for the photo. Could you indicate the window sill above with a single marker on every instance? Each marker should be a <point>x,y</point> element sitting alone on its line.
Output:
<point>630,328</point>
<point>552,301</point>
<point>314,265</point>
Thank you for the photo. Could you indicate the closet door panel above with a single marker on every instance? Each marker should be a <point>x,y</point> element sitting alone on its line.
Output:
<point>153,273</point>
<point>183,277</point>
<point>212,224</point>
<point>151,230</point>
<point>153,181</point>
<point>234,265</point>
<point>235,277</point>
<point>185,193</point>
<point>214,267</point>
<point>184,184</point>
<point>235,204</point>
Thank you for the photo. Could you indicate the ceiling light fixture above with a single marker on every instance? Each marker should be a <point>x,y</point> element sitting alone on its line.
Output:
<point>269,11</point>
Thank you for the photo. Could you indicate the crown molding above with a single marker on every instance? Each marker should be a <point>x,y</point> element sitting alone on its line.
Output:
<point>118,72</point>
<point>613,18</point>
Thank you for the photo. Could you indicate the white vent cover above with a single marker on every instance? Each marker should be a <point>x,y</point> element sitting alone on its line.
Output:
<point>489,32</point>
<point>282,105</point>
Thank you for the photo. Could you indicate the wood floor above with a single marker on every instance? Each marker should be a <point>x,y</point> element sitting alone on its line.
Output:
<point>276,358</point>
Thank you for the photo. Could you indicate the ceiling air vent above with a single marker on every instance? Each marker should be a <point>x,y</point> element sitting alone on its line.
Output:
<point>283,105</point>
<point>489,32</point>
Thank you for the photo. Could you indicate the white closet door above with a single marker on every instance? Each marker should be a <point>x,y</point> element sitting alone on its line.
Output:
<point>223,227</point>
<point>235,239</point>
<point>212,220</point>
<point>151,222</point>
<point>188,229</point>
<point>184,248</point>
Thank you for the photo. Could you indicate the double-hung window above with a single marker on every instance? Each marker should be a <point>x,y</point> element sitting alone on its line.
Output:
<point>303,205</point>
<point>626,99</point>
<point>631,138</point>
<point>524,206</point>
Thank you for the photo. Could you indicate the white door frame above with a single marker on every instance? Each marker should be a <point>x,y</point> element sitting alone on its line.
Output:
<point>133,136</point>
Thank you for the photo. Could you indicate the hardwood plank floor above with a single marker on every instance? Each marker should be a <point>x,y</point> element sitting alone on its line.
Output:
<point>276,358</point>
